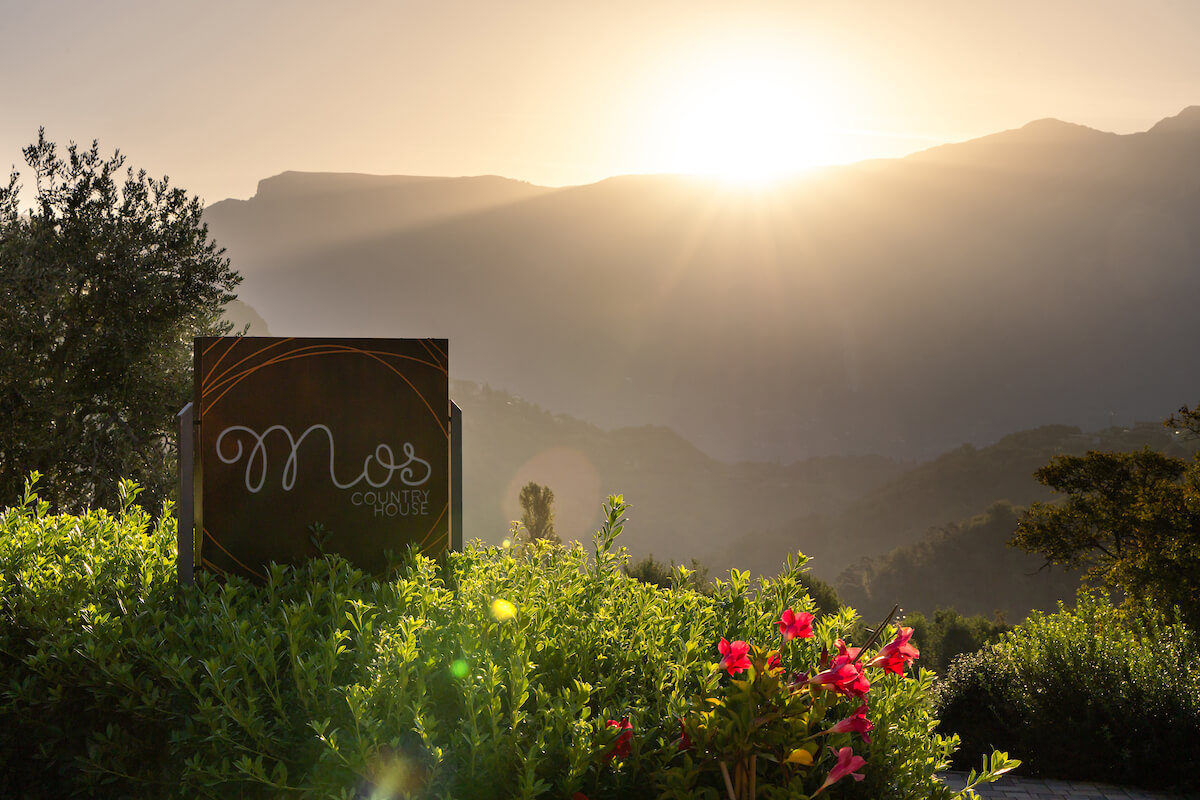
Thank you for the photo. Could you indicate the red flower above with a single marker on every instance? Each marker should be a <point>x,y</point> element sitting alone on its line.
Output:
<point>685,741</point>
<point>847,762</point>
<point>774,662</point>
<point>845,675</point>
<point>855,723</point>
<point>733,656</point>
<point>621,748</point>
<point>896,654</point>
<point>848,653</point>
<point>796,626</point>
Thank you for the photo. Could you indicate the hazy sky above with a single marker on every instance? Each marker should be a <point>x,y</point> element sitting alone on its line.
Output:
<point>219,94</point>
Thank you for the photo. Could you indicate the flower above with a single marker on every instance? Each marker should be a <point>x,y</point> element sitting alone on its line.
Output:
<point>733,656</point>
<point>774,662</point>
<point>896,654</point>
<point>845,675</point>
<point>855,723</point>
<point>848,653</point>
<point>846,678</point>
<point>621,748</point>
<point>685,741</point>
<point>797,681</point>
<point>847,762</point>
<point>796,626</point>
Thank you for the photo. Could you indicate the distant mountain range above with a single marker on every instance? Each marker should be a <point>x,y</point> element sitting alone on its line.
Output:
<point>926,535</point>
<point>833,366</point>
<point>898,307</point>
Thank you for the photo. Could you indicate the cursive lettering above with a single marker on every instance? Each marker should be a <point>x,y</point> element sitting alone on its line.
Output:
<point>413,471</point>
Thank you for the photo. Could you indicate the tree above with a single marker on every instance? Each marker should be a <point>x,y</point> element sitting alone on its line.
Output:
<point>1131,519</point>
<point>103,284</point>
<point>537,504</point>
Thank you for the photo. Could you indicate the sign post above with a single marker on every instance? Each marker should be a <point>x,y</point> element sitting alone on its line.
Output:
<point>310,445</point>
<point>185,509</point>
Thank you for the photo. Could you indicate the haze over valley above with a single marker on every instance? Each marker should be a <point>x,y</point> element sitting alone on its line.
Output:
<point>763,370</point>
<point>788,275</point>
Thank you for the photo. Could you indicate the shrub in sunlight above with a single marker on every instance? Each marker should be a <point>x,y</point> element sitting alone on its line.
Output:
<point>485,674</point>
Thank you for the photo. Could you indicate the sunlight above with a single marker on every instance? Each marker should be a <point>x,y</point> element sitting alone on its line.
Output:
<point>748,121</point>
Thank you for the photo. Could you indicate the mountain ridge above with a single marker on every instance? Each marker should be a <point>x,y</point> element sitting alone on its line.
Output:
<point>761,326</point>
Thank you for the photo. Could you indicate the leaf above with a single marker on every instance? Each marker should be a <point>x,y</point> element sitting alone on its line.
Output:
<point>800,756</point>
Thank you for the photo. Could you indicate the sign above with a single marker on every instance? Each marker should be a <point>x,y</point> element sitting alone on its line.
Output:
<point>305,445</point>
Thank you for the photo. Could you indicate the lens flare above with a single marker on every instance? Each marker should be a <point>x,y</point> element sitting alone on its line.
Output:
<point>458,668</point>
<point>503,610</point>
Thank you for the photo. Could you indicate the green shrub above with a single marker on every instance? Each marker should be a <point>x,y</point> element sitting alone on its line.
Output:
<point>664,576</point>
<point>949,634</point>
<point>482,675</point>
<point>1084,695</point>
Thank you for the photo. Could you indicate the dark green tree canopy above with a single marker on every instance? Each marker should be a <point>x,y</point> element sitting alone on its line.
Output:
<point>1132,519</point>
<point>103,284</point>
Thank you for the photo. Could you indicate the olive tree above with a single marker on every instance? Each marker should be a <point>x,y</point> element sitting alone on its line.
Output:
<point>103,283</point>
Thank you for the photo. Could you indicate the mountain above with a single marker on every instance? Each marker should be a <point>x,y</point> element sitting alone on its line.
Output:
<point>890,529</point>
<point>244,319</point>
<point>967,566</point>
<point>681,499</point>
<point>957,485</point>
<point>898,307</point>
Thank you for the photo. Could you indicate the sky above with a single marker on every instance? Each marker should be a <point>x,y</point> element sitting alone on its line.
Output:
<point>218,94</point>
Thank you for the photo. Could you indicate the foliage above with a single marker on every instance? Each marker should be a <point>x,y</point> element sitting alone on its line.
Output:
<point>948,634</point>
<point>651,570</point>
<point>537,512</point>
<point>1131,519</point>
<point>1084,695</point>
<point>103,285</point>
<point>770,730</point>
<point>824,596</point>
<point>488,674</point>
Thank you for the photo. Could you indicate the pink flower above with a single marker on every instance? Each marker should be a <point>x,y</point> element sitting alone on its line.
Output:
<point>855,723</point>
<point>796,626</point>
<point>733,656</point>
<point>621,748</point>
<point>847,762</point>
<point>896,654</point>
<point>845,675</point>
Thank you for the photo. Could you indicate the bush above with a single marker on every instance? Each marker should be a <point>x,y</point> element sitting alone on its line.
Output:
<point>1083,695</point>
<point>482,675</point>
<point>949,635</point>
<point>664,576</point>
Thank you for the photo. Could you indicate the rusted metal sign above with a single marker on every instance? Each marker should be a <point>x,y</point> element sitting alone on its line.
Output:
<point>309,444</point>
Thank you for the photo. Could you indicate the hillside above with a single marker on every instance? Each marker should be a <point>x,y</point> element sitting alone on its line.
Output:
<point>967,566</point>
<point>899,307</point>
<point>682,500</point>
<point>953,487</point>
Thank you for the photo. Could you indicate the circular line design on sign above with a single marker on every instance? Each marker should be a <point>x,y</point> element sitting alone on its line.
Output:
<point>229,381</point>
<point>220,381</point>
